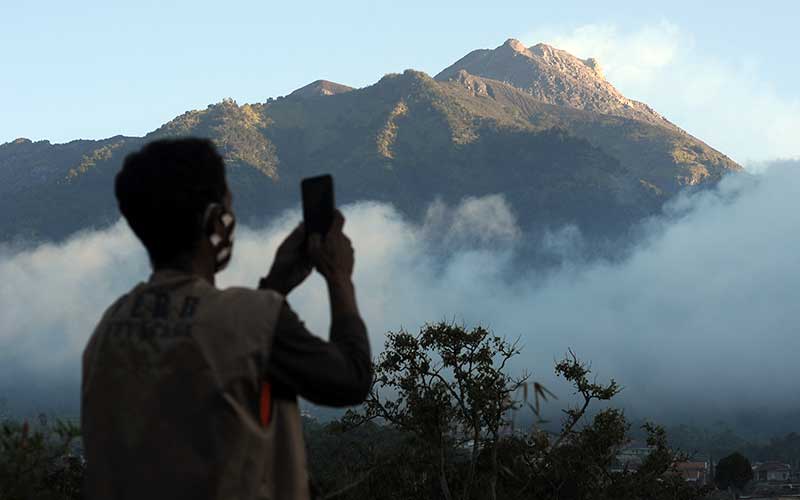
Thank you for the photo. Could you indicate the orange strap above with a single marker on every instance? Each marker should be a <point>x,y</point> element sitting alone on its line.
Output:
<point>266,404</point>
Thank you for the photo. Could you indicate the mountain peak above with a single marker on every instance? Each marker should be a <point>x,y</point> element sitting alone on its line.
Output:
<point>321,88</point>
<point>516,46</point>
<point>553,76</point>
<point>542,49</point>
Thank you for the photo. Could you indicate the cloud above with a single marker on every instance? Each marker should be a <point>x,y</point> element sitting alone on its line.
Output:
<point>631,58</point>
<point>727,104</point>
<point>487,220</point>
<point>50,296</point>
<point>699,318</point>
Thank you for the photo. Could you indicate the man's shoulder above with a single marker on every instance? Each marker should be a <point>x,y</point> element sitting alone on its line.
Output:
<point>115,307</point>
<point>242,307</point>
<point>240,298</point>
<point>250,293</point>
<point>104,320</point>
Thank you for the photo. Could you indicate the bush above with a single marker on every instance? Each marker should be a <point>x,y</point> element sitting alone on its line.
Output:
<point>40,462</point>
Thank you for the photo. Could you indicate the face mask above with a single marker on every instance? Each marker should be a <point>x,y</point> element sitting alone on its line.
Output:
<point>222,243</point>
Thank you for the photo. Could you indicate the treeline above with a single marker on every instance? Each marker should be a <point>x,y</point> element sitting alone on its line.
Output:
<point>436,425</point>
<point>722,440</point>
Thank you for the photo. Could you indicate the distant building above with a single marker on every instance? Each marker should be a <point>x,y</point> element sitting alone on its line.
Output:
<point>772,471</point>
<point>631,457</point>
<point>694,472</point>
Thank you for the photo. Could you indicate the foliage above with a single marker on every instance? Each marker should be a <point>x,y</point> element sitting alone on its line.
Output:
<point>435,426</point>
<point>573,463</point>
<point>451,393</point>
<point>238,132</point>
<point>784,448</point>
<point>556,165</point>
<point>577,462</point>
<point>733,471</point>
<point>90,160</point>
<point>722,440</point>
<point>344,459</point>
<point>39,463</point>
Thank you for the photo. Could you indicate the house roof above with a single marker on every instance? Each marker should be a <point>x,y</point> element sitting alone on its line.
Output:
<point>772,466</point>
<point>687,466</point>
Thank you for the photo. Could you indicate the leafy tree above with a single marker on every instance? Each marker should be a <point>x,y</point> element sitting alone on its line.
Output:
<point>38,463</point>
<point>575,462</point>
<point>733,471</point>
<point>440,400</point>
<point>451,395</point>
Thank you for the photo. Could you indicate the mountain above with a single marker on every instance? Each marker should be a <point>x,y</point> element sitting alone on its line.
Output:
<point>563,150</point>
<point>321,88</point>
<point>553,76</point>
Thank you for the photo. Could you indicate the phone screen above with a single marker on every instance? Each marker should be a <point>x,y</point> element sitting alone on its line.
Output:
<point>318,204</point>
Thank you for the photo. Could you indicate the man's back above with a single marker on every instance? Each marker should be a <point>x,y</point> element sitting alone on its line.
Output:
<point>189,391</point>
<point>170,396</point>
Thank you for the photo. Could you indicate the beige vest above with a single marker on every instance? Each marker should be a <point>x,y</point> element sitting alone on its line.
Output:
<point>170,397</point>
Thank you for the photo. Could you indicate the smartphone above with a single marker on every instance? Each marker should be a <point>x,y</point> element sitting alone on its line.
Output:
<point>317,204</point>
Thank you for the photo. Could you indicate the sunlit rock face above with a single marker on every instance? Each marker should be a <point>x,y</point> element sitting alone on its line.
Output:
<point>553,76</point>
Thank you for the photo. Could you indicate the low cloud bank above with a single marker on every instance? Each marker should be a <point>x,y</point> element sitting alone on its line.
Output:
<point>700,319</point>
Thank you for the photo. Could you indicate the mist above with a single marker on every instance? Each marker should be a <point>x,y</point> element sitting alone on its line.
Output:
<point>699,319</point>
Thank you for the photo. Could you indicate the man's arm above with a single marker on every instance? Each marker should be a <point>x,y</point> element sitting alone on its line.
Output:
<point>333,373</point>
<point>337,372</point>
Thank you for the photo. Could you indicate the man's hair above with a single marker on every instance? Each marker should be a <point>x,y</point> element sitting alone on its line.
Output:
<point>163,191</point>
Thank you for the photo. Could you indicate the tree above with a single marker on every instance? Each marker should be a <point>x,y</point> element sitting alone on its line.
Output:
<point>576,462</point>
<point>733,471</point>
<point>431,428</point>
<point>450,391</point>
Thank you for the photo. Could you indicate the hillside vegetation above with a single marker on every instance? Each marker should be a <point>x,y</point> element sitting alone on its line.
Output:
<point>406,140</point>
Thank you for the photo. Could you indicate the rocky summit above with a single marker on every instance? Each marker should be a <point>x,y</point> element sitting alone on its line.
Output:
<point>535,124</point>
<point>553,76</point>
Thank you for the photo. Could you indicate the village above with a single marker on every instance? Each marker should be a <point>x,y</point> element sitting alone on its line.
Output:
<point>769,480</point>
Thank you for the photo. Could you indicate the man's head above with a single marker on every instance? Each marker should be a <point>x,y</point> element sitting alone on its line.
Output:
<point>165,190</point>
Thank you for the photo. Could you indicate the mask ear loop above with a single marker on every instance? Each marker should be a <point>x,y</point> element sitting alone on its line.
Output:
<point>229,223</point>
<point>215,239</point>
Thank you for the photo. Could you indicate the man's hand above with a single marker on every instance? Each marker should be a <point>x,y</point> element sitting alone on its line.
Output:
<point>332,256</point>
<point>291,266</point>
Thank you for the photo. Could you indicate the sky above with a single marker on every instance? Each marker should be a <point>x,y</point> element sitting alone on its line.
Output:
<point>93,69</point>
<point>700,316</point>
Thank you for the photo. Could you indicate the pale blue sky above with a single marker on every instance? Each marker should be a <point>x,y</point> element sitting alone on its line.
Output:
<point>93,69</point>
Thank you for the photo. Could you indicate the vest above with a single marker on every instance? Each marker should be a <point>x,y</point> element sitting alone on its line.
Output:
<point>172,402</point>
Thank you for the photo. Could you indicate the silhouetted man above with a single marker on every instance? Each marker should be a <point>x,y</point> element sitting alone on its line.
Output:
<point>189,391</point>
